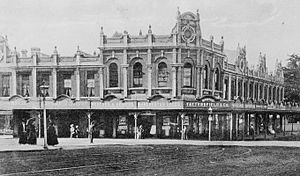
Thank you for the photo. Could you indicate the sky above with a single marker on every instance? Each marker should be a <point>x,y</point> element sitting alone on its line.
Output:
<point>267,26</point>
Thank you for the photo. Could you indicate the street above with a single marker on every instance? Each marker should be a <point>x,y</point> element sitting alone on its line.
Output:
<point>154,160</point>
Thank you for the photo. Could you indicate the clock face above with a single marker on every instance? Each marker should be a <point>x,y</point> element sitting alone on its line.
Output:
<point>188,34</point>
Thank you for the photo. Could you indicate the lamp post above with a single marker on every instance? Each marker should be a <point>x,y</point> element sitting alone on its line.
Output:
<point>44,89</point>
<point>209,122</point>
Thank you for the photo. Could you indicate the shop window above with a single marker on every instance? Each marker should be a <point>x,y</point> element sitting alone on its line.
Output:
<point>206,81</point>
<point>90,84</point>
<point>5,86</point>
<point>162,74</point>
<point>137,75</point>
<point>217,79</point>
<point>113,75</point>
<point>187,75</point>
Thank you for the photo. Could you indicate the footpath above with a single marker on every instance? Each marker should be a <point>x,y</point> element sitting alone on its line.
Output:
<point>11,144</point>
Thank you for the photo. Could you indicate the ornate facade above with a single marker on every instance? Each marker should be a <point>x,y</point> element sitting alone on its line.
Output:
<point>163,82</point>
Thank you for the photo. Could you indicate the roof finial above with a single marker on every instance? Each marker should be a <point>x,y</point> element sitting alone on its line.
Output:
<point>55,50</point>
<point>78,48</point>
<point>149,30</point>
<point>101,30</point>
<point>140,33</point>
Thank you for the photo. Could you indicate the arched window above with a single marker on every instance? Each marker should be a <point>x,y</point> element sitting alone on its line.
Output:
<point>206,81</point>
<point>217,79</point>
<point>162,74</point>
<point>137,75</point>
<point>187,75</point>
<point>113,75</point>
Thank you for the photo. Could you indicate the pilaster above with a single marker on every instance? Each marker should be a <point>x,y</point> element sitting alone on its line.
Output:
<point>33,73</point>
<point>54,88</point>
<point>77,84</point>
<point>229,87</point>
<point>13,88</point>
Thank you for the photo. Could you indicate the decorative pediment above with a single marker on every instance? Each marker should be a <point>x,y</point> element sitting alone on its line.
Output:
<point>63,97</point>
<point>157,97</point>
<point>208,98</point>
<point>18,97</point>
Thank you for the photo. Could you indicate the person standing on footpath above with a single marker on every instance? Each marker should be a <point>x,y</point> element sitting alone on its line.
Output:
<point>72,130</point>
<point>22,133</point>
<point>91,131</point>
<point>52,136</point>
<point>251,131</point>
<point>31,134</point>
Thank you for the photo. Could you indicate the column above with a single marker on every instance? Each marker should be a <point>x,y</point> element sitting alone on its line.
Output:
<point>77,84</point>
<point>174,73</point>
<point>282,96</point>
<point>267,100</point>
<point>258,91</point>
<point>271,98</point>
<point>253,90</point>
<point>231,126</point>
<point>179,74</point>
<point>225,88</point>
<point>201,75</point>
<point>101,87</point>
<point>149,73</point>
<point>33,73</point>
<point>229,88</point>
<point>198,72</point>
<point>237,87</point>
<point>248,88</point>
<point>125,80</point>
<point>243,90</point>
<point>54,75</point>
<point>263,91</point>
<point>13,83</point>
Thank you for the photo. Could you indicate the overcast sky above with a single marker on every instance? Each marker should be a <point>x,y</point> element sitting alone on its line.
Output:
<point>267,26</point>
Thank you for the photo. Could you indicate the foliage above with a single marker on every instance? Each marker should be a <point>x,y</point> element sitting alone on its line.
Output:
<point>292,78</point>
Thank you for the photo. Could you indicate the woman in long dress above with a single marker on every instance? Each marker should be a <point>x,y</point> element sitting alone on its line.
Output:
<point>52,136</point>
<point>22,133</point>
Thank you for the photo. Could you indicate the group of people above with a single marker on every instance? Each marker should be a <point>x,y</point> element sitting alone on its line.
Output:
<point>28,135</point>
<point>74,131</point>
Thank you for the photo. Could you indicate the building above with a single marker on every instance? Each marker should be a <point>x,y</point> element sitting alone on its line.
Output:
<point>163,82</point>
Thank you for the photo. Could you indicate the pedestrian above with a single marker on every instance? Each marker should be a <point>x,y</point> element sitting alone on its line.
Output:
<point>22,133</point>
<point>185,137</point>
<point>140,132</point>
<point>31,132</point>
<point>91,130</point>
<point>251,131</point>
<point>52,136</point>
<point>76,133</point>
<point>72,130</point>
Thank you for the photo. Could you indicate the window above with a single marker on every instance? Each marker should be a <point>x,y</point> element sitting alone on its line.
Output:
<point>137,75</point>
<point>90,84</point>
<point>5,86</point>
<point>217,79</point>
<point>113,75</point>
<point>206,77</point>
<point>187,75</point>
<point>42,79</point>
<point>162,74</point>
<point>67,84</point>
<point>23,85</point>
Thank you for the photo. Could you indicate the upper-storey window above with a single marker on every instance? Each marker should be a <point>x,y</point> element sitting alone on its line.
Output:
<point>162,74</point>
<point>23,85</point>
<point>90,83</point>
<point>206,73</point>
<point>5,86</point>
<point>42,79</point>
<point>67,84</point>
<point>113,75</point>
<point>187,75</point>
<point>217,79</point>
<point>137,75</point>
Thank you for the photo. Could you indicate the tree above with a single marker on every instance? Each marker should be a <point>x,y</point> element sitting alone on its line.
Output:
<point>292,78</point>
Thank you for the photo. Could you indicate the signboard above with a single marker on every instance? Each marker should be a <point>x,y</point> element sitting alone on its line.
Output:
<point>67,83</point>
<point>122,120</point>
<point>166,121</point>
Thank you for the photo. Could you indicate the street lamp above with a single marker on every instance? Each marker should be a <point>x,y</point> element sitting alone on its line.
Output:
<point>44,89</point>
<point>209,122</point>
